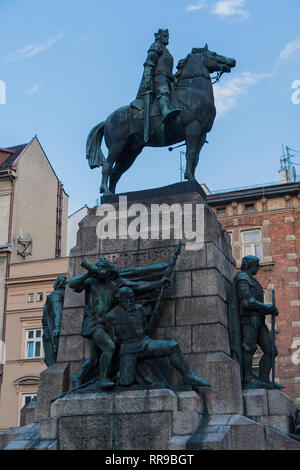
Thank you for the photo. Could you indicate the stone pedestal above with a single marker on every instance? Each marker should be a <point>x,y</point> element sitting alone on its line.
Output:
<point>127,420</point>
<point>194,313</point>
<point>272,408</point>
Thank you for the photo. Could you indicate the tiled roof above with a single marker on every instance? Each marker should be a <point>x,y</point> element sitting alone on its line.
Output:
<point>6,163</point>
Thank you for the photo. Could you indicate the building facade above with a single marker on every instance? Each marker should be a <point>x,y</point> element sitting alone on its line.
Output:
<point>33,228</point>
<point>33,211</point>
<point>27,288</point>
<point>265,222</point>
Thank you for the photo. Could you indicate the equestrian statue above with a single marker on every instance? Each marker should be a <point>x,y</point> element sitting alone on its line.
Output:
<point>169,109</point>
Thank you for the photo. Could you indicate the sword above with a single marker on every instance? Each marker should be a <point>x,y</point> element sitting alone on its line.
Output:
<point>273,338</point>
<point>146,116</point>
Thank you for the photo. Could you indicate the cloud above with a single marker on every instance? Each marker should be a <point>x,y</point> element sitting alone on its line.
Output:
<point>83,37</point>
<point>230,9</point>
<point>32,50</point>
<point>198,6</point>
<point>31,91</point>
<point>291,50</point>
<point>227,95</point>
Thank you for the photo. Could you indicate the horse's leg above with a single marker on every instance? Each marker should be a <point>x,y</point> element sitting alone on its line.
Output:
<point>113,155</point>
<point>125,161</point>
<point>196,160</point>
<point>194,143</point>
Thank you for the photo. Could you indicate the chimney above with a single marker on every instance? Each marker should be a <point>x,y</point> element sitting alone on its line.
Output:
<point>285,176</point>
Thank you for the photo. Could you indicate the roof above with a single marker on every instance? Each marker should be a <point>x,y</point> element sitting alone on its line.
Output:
<point>254,193</point>
<point>9,155</point>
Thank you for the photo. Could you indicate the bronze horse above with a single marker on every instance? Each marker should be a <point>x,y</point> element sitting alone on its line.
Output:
<point>124,129</point>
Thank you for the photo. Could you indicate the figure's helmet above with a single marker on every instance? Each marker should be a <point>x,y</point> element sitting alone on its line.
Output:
<point>248,261</point>
<point>162,33</point>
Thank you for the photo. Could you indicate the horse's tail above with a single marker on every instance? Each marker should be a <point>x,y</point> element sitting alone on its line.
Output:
<point>94,153</point>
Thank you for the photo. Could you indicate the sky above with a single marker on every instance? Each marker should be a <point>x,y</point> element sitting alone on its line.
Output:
<point>67,64</point>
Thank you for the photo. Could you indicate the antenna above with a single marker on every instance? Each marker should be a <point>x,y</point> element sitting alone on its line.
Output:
<point>287,164</point>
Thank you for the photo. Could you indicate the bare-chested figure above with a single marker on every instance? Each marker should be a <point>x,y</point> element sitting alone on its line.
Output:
<point>101,283</point>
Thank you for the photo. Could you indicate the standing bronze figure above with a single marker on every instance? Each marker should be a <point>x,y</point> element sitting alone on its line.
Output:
<point>169,109</point>
<point>52,311</point>
<point>254,332</point>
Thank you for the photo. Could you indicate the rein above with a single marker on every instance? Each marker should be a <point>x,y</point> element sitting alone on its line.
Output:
<point>190,77</point>
<point>217,77</point>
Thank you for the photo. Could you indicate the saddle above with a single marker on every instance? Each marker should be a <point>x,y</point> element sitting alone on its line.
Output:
<point>138,105</point>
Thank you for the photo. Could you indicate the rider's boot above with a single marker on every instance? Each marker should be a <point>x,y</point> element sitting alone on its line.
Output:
<point>167,113</point>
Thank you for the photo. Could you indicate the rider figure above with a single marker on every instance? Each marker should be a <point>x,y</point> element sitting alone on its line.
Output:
<point>158,74</point>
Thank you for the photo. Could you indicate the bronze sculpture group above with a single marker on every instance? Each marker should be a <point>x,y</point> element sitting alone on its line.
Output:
<point>118,328</point>
<point>121,306</point>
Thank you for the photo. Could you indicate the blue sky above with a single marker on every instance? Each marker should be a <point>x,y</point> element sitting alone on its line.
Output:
<point>68,64</point>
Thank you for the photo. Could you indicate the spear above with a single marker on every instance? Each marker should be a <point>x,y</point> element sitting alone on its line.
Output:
<point>154,317</point>
<point>273,338</point>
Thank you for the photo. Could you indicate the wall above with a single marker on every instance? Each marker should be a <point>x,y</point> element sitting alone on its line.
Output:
<point>35,205</point>
<point>279,221</point>
<point>73,227</point>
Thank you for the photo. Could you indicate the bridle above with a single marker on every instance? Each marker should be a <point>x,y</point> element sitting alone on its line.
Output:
<point>216,78</point>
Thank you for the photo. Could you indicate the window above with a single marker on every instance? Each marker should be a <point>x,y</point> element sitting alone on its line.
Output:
<point>30,297</point>
<point>26,399</point>
<point>221,210</point>
<point>250,207</point>
<point>33,344</point>
<point>40,297</point>
<point>252,243</point>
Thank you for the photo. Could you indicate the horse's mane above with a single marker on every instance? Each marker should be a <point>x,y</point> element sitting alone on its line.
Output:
<point>182,62</point>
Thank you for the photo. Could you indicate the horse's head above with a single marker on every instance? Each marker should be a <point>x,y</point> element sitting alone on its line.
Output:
<point>213,61</point>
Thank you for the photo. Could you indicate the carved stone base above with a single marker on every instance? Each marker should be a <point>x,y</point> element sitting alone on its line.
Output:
<point>195,314</point>
<point>129,420</point>
<point>272,408</point>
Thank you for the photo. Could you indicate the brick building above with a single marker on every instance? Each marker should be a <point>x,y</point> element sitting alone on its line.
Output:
<point>265,222</point>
